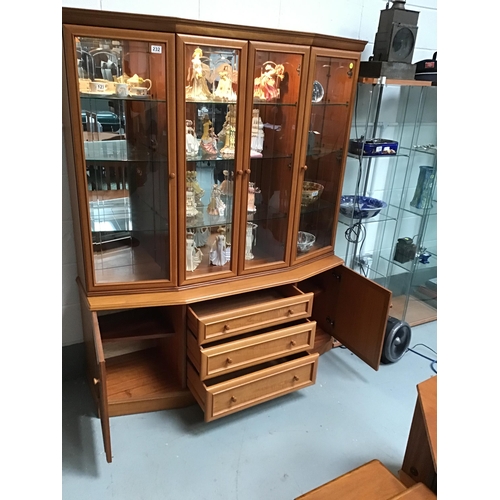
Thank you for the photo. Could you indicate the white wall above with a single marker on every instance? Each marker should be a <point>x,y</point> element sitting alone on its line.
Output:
<point>347,18</point>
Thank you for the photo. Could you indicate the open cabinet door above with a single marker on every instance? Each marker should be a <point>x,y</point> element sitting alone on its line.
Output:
<point>100,382</point>
<point>357,310</point>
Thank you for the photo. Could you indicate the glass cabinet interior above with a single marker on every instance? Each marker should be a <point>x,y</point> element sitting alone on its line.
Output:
<point>326,139</point>
<point>405,181</point>
<point>275,86</point>
<point>123,95</point>
<point>212,109</point>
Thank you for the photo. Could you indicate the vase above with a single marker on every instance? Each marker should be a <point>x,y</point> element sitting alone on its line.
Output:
<point>425,184</point>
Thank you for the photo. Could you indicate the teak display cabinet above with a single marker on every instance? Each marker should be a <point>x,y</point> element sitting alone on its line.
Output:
<point>205,174</point>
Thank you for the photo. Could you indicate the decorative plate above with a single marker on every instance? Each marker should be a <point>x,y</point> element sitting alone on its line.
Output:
<point>318,91</point>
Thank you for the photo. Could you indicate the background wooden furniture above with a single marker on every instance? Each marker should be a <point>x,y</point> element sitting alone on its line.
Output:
<point>371,481</point>
<point>139,302</point>
<point>420,460</point>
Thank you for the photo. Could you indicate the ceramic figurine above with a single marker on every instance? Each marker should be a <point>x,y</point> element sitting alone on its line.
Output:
<point>218,256</point>
<point>193,254</point>
<point>190,203</point>
<point>229,127</point>
<point>201,235</point>
<point>266,87</point>
<point>198,75</point>
<point>208,143</point>
<point>227,185</point>
<point>250,240</point>
<point>192,143</point>
<point>257,140</point>
<point>224,88</point>
<point>216,206</point>
<point>252,190</point>
<point>192,184</point>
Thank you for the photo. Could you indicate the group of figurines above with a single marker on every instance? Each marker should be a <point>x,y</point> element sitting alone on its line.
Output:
<point>211,145</point>
<point>222,78</point>
<point>220,250</point>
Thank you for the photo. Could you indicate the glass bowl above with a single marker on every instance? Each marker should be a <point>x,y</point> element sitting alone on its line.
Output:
<point>305,241</point>
<point>311,191</point>
<point>360,207</point>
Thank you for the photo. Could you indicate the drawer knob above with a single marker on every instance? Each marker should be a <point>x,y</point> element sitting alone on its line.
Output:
<point>226,328</point>
<point>290,312</point>
<point>229,361</point>
<point>295,378</point>
<point>96,381</point>
<point>233,399</point>
<point>292,342</point>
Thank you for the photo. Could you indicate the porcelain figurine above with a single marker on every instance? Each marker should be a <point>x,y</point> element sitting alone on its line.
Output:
<point>229,127</point>
<point>193,254</point>
<point>252,190</point>
<point>198,76</point>
<point>208,143</point>
<point>192,143</point>
<point>224,88</point>
<point>201,235</point>
<point>218,256</point>
<point>193,185</point>
<point>257,140</point>
<point>190,203</point>
<point>266,87</point>
<point>250,240</point>
<point>216,206</point>
<point>227,185</point>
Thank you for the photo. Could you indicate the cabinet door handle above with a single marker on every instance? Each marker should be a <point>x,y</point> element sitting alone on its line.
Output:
<point>229,361</point>
<point>292,342</point>
<point>289,312</point>
<point>304,167</point>
<point>96,381</point>
<point>239,172</point>
<point>226,328</point>
<point>248,171</point>
<point>295,378</point>
<point>233,399</point>
<point>172,175</point>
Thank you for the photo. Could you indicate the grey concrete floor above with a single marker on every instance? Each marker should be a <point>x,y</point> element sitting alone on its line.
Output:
<point>277,450</point>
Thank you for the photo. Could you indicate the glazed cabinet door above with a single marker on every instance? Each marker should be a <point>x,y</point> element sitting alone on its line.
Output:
<point>210,97</point>
<point>274,121</point>
<point>331,90</point>
<point>120,89</point>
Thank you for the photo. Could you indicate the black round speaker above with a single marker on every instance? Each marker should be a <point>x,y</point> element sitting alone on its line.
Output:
<point>397,340</point>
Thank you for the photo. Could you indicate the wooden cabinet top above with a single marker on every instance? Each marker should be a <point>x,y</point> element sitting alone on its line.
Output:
<point>164,24</point>
<point>427,392</point>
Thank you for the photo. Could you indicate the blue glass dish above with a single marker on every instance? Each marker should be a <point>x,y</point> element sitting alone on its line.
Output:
<point>363,207</point>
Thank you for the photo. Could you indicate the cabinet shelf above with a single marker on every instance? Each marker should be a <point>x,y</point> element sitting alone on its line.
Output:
<point>376,157</point>
<point>113,97</point>
<point>141,324</point>
<point>265,156</point>
<point>139,376</point>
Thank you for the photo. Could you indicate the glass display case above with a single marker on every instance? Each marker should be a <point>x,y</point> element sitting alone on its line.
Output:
<point>388,211</point>
<point>120,98</point>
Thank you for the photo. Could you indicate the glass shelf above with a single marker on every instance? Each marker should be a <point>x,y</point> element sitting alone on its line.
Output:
<point>114,97</point>
<point>376,157</point>
<point>118,151</point>
<point>323,104</point>
<point>381,217</point>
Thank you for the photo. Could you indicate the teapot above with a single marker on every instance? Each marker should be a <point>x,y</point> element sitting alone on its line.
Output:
<point>137,81</point>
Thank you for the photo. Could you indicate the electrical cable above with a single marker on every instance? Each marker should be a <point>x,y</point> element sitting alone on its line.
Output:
<point>433,361</point>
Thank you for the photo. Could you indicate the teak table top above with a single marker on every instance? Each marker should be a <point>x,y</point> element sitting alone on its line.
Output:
<point>427,392</point>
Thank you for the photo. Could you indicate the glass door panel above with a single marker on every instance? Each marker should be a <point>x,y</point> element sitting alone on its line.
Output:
<point>274,122</point>
<point>122,92</point>
<point>328,127</point>
<point>212,107</point>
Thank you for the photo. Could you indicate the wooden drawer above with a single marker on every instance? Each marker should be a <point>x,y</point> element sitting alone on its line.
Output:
<point>250,350</point>
<point>225,395</point>
<point>224,318</point>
